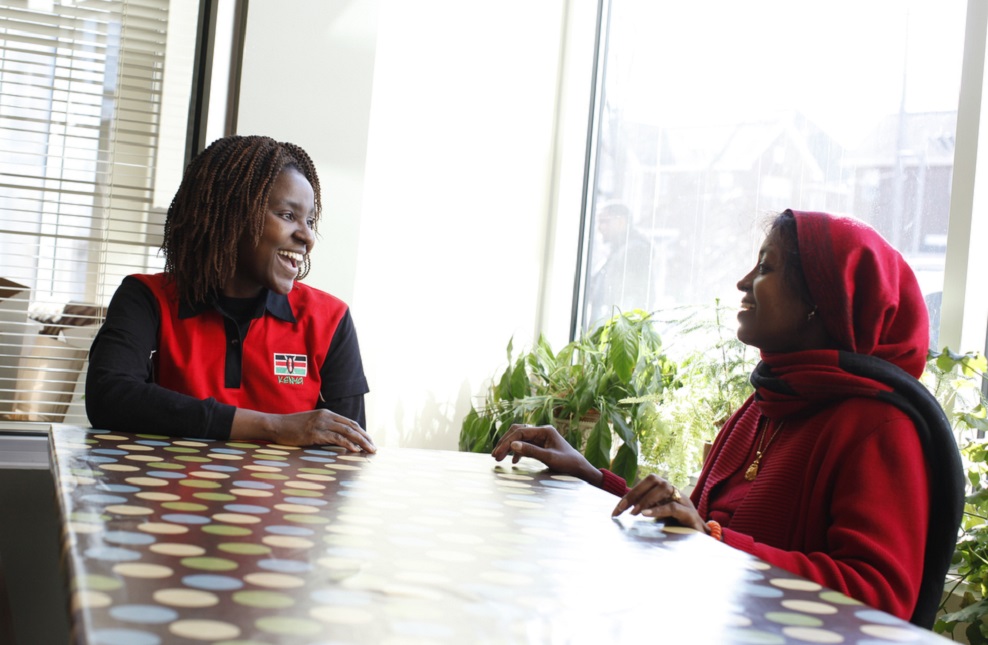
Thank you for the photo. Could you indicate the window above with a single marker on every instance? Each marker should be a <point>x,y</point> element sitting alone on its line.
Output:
<point>94,101</point>
<point>715,115</point>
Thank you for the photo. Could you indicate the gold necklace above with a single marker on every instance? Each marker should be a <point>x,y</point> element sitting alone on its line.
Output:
<point>752,471</point>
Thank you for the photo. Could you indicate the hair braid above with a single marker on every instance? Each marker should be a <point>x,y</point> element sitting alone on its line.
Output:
<point>222,200</point>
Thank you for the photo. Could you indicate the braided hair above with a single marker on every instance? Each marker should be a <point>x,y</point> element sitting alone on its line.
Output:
<point>222,199</point>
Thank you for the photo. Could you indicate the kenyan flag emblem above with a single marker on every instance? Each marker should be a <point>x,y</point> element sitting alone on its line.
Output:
<point>290,365</point>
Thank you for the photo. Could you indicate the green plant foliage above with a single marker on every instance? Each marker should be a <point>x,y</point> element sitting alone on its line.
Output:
<point>711,383</point>
<point>957,381</point>
<point>592,380</point>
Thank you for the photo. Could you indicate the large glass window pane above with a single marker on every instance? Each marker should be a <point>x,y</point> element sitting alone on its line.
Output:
<point>715,115</point>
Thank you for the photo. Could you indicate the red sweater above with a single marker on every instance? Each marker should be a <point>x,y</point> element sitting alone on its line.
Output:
<point>841,498</point>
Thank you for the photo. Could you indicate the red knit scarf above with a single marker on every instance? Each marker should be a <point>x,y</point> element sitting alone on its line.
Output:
<point>799,382</point>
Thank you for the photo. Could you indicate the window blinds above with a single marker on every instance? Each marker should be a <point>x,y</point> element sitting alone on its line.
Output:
<point>86,87</point>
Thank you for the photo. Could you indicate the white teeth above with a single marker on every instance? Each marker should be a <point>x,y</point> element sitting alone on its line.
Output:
<point>292,255</point>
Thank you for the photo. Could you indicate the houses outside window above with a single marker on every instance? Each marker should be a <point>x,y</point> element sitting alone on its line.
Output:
<point>714,116</point>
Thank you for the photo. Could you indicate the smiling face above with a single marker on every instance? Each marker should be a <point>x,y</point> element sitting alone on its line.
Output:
<point>274,262</point>
<point>774,317</point>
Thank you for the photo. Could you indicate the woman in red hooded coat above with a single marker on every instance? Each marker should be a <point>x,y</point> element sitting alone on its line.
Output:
<point>841,467</point>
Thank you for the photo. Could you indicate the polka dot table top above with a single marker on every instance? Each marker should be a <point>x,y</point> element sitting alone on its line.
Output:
<point>236,543</point>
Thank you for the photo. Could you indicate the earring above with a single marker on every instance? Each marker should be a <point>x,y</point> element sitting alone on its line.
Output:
<point>811,315</point>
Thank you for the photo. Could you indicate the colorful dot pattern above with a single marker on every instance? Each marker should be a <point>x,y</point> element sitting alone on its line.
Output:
<point>241,543</point>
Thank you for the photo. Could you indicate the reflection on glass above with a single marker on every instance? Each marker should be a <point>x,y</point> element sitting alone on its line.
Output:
<point>716,115</point>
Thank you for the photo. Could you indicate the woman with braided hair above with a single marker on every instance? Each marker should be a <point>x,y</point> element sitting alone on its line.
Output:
<point>841,467</point>
<point>225,343</point>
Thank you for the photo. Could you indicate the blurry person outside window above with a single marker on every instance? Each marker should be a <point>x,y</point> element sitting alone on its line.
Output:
<point>623,280</point>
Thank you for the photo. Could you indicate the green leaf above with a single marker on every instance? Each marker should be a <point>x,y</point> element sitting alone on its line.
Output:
<point>583,396</point>
<point>573,436</point>
<point>945,361</point>
<point>968,614</point>
<point>543,351</point>
<point>519,380</point>
<point>626,464</point>
<point>502,392</point>
<point>981,496</point>
<point>468,430</point>
<point>623,429</point>
<point>977,363</point>
<point>622,351</point>
<point>476,434</point>
<point>975,634</point>
<point>598,448</point>
<point>975,423</point>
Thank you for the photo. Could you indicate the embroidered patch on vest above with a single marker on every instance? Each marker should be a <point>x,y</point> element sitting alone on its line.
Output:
<point>290,368</point>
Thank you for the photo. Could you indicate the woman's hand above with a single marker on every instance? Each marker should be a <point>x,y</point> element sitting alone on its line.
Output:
<point>656,497</point>
<point>545,444</point>
<point>311,428</point>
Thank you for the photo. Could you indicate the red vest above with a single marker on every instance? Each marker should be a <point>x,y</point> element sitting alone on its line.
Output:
<point>281,360</point>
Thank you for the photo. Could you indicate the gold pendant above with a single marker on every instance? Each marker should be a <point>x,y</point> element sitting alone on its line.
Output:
<point>752,471</point>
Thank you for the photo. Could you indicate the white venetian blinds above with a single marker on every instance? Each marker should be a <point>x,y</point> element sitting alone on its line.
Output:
<point>94,101</point>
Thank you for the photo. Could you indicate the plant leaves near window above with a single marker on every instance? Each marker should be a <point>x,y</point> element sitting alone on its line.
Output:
<point>584,390</point>
<point>598,450</point>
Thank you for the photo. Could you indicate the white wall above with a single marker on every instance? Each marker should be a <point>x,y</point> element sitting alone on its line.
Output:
<point>448,136</point>
<point>307,74</point>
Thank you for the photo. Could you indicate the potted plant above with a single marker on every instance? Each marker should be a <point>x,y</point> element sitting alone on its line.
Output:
<point>598,386</point>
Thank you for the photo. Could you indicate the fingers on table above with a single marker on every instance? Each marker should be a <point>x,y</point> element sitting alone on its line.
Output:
<point>361,439</point>
<point>516,433</point>
<point>351,436</point>
<point>650,492</point>
<point>503,446</point>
